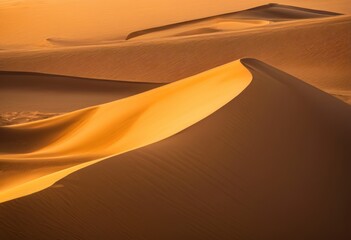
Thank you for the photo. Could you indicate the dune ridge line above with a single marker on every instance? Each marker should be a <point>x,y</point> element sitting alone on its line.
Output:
<point>61,145</point>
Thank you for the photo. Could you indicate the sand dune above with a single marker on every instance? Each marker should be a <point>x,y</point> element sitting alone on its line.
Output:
<point>271,164</point>
<point>27,24</point>
<point>11,118</point>
<point>293,46</point>
<point>20,91</point>
<point>216,24</point>
<point>80,42</point>
<point>63,144</point>
<point>280,12</point>
<point>246,19</point>
<point>99,139</point>
<point>30,96</point>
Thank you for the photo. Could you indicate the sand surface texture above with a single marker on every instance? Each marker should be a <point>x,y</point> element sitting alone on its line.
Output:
<point>316,50</point>
<point>274,161</point>
<point>63,144</point>
<point>175,119</point>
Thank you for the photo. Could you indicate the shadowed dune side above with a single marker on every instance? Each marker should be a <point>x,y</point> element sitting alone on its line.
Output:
<point>21,91</point>
<point>28,97</point>
<point>280,12</point>
<point>28,24</point>
<point>249,18</point>
<point>271,164</point>
<point>294,47</point>
<point>213,25</point>
<point>36,155</point>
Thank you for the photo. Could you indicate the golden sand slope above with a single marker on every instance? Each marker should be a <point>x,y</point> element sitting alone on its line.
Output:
<point>294,47</point>
<point>37,154</point>
<point>202,27</point>
<point>29,23</point>
<point>274,163</point>
<point>236,21</point>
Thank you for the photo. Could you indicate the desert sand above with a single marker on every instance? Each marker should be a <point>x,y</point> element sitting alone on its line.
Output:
<point>162,60</point>
<point>20,91</point>
<point>85,136</point>
<point>175,120</point>
<point>28,23</point>
<point>242,181</point>
<point>245,19</point>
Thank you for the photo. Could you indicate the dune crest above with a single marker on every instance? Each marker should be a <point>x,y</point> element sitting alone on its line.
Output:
<point>235,21</point>
<point>26,24</point>
<point>271,164</point>
<point>64,42</point>
<point>162,60</point>
<point>61,145</point>
<point>23,92</point>
<point>197,27</point>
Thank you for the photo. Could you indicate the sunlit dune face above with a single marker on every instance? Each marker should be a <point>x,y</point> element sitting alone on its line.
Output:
<point>251,143</point>
<point>29,24</point>
<point>64,144</point>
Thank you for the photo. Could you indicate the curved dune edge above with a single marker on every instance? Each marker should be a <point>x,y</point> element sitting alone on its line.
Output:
<point>213,26</point>
<point>64,144</point>
<point>235,21</point>
<point>64,42</point>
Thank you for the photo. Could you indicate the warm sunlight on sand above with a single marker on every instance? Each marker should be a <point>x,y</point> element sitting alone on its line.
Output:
<point>102,131</point>
<point>203,27</point>
<point>175,119</point>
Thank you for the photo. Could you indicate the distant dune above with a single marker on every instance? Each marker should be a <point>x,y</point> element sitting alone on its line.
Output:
<point>21,91</point>
<point>27,24</point>
<point>80,42</point>
<point>292,46</point>
<point>27,97</point>
<point>272,162</point>
<point>253,17</point>
<point>280,12</point>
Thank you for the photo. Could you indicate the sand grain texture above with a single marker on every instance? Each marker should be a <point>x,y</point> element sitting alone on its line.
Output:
<point>99,139</point>
<point>21,91</point>
<point>236,21</point>
<point>273,163</point>
<point>28,24</point>
<point>61,145</point>
<point>292,46</point>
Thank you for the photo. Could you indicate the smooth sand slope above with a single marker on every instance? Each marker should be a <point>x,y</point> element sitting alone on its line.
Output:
<point>253,17</point>
<point>21,91</point>
<point>36,155</point>
<point>27,97</point>
<point>271,164</point>
<point>195,28</point>
<point>27,24</point>
<point>295,47</point>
